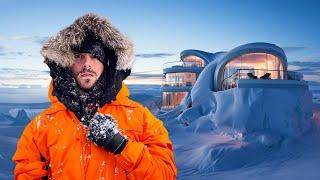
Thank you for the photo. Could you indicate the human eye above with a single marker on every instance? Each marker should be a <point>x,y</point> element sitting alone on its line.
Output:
<point>77,55</point>
<point>92,56</point>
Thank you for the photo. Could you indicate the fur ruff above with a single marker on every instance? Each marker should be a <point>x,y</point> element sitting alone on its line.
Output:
<point>59,48</point>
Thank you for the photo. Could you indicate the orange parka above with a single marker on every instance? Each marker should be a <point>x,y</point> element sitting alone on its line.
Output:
<point>54,144</point>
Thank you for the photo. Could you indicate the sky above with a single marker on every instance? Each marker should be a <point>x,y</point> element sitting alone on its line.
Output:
<point>162,29</point>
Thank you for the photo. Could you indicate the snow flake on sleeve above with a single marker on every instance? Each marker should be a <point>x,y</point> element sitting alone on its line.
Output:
<point>129,113</point>
<point>38,122</point>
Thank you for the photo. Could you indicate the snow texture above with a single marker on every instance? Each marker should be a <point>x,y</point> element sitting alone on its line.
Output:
<point>206,148</point>
<point>102,129</point>
<point>283,112</point>
<point>248,126</point>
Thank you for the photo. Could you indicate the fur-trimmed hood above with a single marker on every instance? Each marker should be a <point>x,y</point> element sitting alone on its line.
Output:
<point>59,48</point>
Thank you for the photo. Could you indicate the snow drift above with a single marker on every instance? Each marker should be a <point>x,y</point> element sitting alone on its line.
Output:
<point>226,128</point>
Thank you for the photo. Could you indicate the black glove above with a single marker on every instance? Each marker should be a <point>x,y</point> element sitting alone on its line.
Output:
<point>103,131</point>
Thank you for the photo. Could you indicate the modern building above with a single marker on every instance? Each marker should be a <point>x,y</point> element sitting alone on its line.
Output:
<point>254,61</point>
<point>249,93</point>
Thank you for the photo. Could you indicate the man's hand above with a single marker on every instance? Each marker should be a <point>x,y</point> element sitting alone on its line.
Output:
<point>103,131</point>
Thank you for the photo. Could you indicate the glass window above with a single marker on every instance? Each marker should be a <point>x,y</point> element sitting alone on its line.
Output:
<point>251,66</point>
<point>180,79</point>
<point>172,99</point>
<point>193,61</point>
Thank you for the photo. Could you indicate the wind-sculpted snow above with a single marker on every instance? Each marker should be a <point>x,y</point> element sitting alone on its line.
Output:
<point>220,156</point>
<point>240,127</point>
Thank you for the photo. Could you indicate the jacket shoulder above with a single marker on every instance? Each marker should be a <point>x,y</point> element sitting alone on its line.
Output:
<point>126,101</point>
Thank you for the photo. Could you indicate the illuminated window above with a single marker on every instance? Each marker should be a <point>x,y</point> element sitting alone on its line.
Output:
<point>251,66</point>
<point>193,61</point>
<point>180,79</point>
<point>172,99</point>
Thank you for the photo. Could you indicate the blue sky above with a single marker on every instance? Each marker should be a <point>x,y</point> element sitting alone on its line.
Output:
<point>162,29</point>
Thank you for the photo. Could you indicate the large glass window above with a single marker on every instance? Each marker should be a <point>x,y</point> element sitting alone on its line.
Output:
<point>172,99</point>
<point>180,79</point>
<point>193,61</point>
<point>251,66</point>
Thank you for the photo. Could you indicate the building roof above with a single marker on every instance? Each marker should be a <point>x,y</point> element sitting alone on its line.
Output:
<point>258,47</point>
<point>206,56</point>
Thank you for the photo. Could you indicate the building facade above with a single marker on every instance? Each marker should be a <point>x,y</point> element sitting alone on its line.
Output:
<point>254,61</point>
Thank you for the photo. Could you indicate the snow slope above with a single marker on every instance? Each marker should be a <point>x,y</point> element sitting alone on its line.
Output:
<point>205,156</point>
<point>200,153</point>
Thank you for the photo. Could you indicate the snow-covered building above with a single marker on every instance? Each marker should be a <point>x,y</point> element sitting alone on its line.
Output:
<point>248,89</point>
<point>244,103</point>
<point>255,61</point>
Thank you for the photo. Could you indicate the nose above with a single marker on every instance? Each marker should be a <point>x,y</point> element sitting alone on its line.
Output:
<point>87,60</point>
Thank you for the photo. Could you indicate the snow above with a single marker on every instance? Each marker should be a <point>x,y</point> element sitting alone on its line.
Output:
<point>246,132</point>
<point>204,156</point>
<point>102,128</point>
<point>223,149</point>
<point>284,110</point>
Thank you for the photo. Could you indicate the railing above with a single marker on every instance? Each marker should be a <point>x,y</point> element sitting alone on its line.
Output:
<point>182,64</point>
<point>231,81</point>
<point>177,83</point>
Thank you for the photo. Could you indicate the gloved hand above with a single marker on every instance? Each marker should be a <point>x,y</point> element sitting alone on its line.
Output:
<point>103,131</point>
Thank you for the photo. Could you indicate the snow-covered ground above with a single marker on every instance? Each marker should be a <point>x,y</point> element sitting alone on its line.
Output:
<point>223,154</point>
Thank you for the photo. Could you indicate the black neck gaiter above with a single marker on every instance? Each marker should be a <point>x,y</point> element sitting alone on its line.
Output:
<point>85,103</point>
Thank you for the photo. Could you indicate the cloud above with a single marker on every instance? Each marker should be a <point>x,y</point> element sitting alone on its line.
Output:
<point>289,49</point>
<point>18,77</point>
<point>15,37</point>
<point>154,55</point>
<point>14,53</point>
<point>37,39</point>
<point>41,40</point>
<point>306,64</point>
<point>7,50</point>
<point>3,48</point>
<point>310,69</point>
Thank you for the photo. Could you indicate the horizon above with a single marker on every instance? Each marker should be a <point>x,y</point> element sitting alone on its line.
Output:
<point>160,30</point>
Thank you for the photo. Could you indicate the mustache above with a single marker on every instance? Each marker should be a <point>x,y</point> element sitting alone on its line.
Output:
<point>86,70</point>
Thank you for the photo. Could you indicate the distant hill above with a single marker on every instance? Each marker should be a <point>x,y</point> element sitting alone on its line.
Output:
<point>21,118</point>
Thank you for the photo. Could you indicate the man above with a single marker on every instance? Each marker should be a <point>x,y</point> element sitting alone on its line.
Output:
<point>92,130</point>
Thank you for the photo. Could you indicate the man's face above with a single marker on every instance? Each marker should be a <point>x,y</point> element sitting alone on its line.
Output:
<point>86,69</point>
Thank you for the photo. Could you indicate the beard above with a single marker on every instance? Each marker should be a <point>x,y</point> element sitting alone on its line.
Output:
<point>86,79</point>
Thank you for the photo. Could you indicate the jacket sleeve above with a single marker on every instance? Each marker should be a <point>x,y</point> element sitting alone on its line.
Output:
<point>27,156</point>
<point>151,157</point>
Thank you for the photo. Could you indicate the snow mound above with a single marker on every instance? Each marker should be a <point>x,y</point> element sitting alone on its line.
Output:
<point>238,128</point>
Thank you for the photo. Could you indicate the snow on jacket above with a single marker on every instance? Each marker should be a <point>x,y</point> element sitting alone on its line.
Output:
<point>54,143</point>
